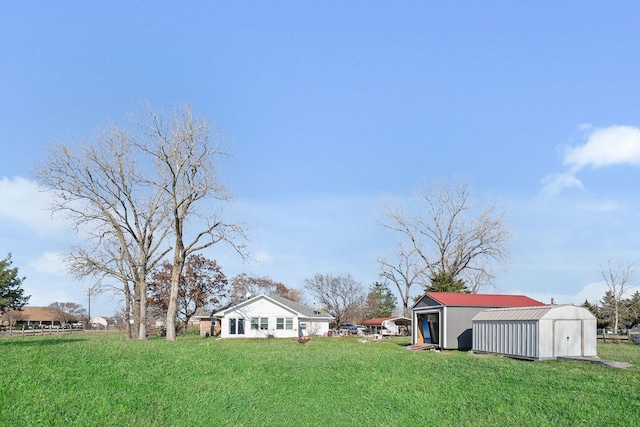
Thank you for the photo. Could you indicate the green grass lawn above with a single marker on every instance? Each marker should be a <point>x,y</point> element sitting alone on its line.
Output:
<point>103,380</point>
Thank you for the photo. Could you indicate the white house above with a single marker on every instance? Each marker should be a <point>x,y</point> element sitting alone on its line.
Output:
<point>264,316</point>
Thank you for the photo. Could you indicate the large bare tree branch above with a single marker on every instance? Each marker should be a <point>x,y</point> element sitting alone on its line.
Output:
<point>341,295</point>
<point>447,238</point>
<point>99,188</point>
<point>405,272</point>
<point>127,194</point>
<point>187,155</point>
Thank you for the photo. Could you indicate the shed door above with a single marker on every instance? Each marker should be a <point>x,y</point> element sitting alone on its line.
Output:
<point>428,328</point>
<point>568,338</point>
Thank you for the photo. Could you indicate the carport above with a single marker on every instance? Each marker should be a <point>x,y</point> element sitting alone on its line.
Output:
<point>388,325</point>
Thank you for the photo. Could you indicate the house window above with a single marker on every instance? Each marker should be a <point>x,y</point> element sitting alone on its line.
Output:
<point>236,326</point>
<point>284,323</point>
<point>261,323</point>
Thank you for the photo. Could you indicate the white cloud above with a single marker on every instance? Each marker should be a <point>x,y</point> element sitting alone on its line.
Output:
<point>553,184</point>
<point>592,292</point>
<point>615,145</point>
<point>49,263</point>
<point>44,296</point>
<point>24,203</point>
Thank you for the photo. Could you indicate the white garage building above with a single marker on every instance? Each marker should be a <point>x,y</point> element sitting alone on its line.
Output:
<point>536,333</point>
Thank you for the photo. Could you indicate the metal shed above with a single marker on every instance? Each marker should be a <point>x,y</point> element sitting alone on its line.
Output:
<point>444,319</point>
<point>536,333</point>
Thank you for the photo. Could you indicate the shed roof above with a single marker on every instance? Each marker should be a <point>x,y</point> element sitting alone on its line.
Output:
<point>533,313</point>
<point>482,300</point>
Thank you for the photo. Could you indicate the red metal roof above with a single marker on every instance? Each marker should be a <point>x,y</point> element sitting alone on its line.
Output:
<point>483,300</point>
<point>376,321</point>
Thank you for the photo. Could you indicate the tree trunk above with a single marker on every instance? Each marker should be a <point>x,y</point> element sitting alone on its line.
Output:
<point>172,309</point>
<point>127,311</point>
<point>135,312</point>
<point>142,307</point>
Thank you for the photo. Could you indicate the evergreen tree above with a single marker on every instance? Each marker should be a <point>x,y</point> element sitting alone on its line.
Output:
<point>595,310</point>
<point>614,311</point>
<point>633,310</point>
<point>11,294</point>
<point>380,301</point>
<point>445,282</point>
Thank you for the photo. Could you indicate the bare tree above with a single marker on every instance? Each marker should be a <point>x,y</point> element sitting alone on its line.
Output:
<point>405,272</point>
<point>12,316</point>
<point>102,189</point>
<point>202,283</point>
<point>126,194</point>
<point>617,277</point>
<point>447,238</point>
<point>187,153</point>
<point>243,284</point>
<point>106,261</point>
<point>69,312</point>
<point>342,296</point>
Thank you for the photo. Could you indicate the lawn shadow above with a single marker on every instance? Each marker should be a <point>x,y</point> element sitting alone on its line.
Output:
<point>20,341</point>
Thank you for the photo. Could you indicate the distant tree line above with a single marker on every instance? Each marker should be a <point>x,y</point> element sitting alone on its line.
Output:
<point>615,310</point>
<point>605,311</point>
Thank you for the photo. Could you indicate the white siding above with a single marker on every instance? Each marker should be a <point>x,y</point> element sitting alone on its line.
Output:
<point>318,328</point>
<point>264,308</point>
<point>260,308</point>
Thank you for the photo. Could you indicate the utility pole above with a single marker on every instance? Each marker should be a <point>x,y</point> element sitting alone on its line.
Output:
<point>95,289</point>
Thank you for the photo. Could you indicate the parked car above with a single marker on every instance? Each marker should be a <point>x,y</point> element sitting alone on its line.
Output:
<point>349,328</point>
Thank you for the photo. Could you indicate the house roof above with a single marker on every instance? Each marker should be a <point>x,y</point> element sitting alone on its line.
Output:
<point>38,314</point>
<point>482,300</point>
<point>301,310</point>
<point>378,320</point>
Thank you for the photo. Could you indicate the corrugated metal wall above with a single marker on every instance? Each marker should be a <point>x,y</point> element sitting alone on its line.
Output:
<point>513,338</point>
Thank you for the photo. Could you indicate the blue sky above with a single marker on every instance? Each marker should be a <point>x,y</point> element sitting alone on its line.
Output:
<point>332,106</point>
